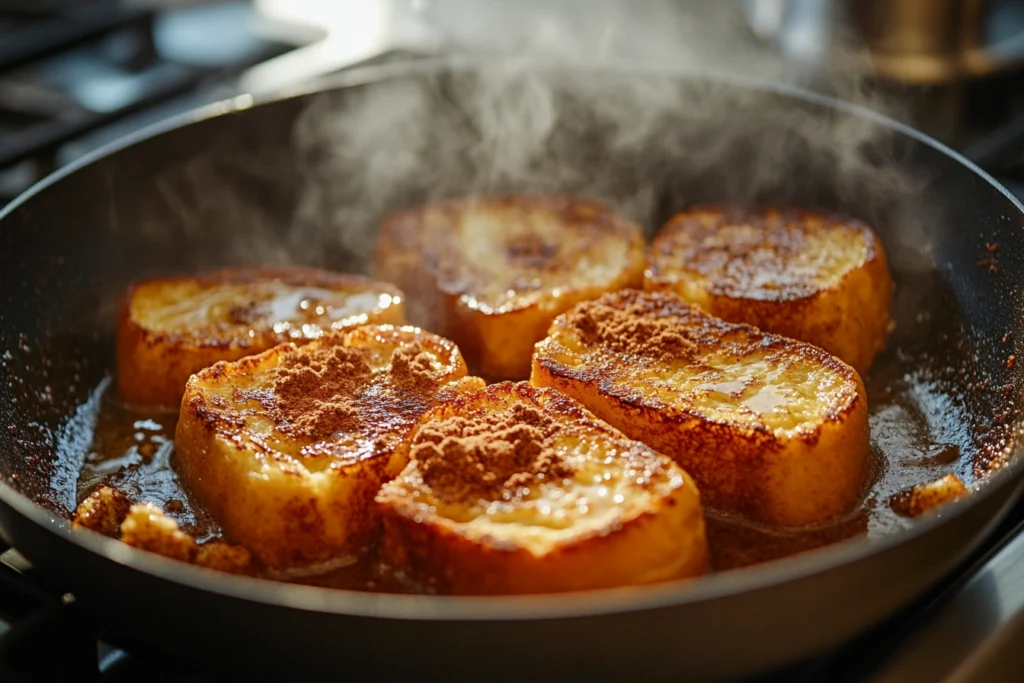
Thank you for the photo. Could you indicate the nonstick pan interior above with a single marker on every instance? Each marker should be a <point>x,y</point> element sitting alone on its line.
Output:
<point>266,184</point>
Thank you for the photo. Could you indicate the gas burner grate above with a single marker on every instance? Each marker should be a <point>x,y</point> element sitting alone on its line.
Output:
<point>33,31</point>
<point>70,68</point>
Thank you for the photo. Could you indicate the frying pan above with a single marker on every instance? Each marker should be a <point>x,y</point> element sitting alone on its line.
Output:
<point>242,182</point>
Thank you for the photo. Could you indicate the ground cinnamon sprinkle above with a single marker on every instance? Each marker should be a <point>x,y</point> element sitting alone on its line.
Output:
<point>488,457</point>
<point>631,330</point>
<point>315,390</point>
<point>413,368</point>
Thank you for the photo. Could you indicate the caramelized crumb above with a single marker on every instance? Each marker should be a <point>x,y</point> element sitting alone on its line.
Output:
<point>148,528</point>
<point>925,497</point>
<point>102,511</point>
<point>224,557</point>
<point>487,456</point>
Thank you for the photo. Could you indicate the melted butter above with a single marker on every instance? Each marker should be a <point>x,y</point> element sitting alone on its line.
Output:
<point>785,394</point>
<point>767,399</point>
<point>729,388</point>
<point>134,451</point>
<point>299,313</point>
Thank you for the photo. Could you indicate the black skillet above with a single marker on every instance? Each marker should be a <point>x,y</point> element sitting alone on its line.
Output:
<point>235,183</point>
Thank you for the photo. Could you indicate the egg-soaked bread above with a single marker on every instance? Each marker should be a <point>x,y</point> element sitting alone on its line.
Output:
<point>771,428</point>
<point>515,489</point>
<point>491,273</point>
<point>816,277</point>
<point>173,327</point>
<point>286,449</point>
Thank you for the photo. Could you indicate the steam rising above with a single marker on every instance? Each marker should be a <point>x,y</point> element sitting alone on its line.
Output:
<point>585,98</point>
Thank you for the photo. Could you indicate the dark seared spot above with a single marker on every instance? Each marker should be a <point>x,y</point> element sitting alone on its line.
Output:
<point>530,251</point>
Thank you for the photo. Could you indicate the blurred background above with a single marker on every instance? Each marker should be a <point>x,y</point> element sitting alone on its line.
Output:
<point>75,74</point>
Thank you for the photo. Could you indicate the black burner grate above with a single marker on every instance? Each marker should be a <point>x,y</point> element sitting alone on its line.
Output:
<point>69,68</point>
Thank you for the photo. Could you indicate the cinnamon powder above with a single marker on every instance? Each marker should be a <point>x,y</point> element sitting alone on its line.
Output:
<point>631,330</point>
<point>413,368</point>
<point>488,457</point>
<point>316,390</point>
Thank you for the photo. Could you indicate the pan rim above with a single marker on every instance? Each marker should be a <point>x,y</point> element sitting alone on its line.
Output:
<point>496,608</point>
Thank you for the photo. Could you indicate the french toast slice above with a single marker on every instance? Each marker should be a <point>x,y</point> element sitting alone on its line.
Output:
<point>514,489</point>
<point>491,273</point>
<point>286,449</point>
<point>819,278</point>
<point>170,328</point>
<point>773,429</point>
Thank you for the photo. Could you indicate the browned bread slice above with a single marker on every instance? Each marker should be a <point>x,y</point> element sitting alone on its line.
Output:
<point>515,489</point>
<point>819,278</point>
<point>171,328</point>
<point>771,428</point>
<point>491,273</point>
<point>286,449</point>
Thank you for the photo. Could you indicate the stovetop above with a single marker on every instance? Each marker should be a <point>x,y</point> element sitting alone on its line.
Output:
<point>75,75</point>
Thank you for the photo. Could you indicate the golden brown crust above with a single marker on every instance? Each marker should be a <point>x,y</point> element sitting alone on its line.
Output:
<point>492,272</point>
<point>771,428</point>
<point>611,513</point>
<point>297,497</point>
<point>761,253</point>
<point>172,327</point>
<point>816,277</point>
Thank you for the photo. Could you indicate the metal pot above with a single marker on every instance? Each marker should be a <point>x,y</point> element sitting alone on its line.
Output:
<point>923,42</point>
